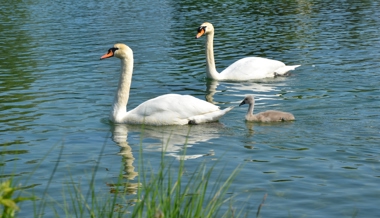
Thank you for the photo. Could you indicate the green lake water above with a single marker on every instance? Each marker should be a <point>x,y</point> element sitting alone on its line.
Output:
<point>55,92</point>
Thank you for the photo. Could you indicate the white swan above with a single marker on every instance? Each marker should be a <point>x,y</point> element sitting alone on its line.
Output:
<point>244,69</point>
<point>266,116</point>
<point>170,109</point>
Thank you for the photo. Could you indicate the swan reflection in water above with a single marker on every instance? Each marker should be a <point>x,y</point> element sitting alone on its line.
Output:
<point>174,139</point>
<point>119,136</point>
<point>171,139</point>
<point>240,90</point>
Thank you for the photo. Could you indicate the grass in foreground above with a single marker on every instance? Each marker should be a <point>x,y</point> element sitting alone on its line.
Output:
<point>164,193</point>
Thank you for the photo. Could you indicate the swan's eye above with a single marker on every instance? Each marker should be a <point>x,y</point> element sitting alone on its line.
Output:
<point>201,28</point>
<point>111,50</point>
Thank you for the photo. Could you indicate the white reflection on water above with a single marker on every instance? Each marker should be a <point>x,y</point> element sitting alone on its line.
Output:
<point>119,136</point>
<point>239,90</point>
<point>171,139</point>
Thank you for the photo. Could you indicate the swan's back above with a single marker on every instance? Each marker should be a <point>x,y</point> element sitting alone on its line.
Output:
<point>174,109</point>
<point>251,68</point>
<point>272,116</point>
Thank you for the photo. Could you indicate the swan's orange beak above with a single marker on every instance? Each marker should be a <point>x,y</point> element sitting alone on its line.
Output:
<point>200,33</point>
<point>108,55</point>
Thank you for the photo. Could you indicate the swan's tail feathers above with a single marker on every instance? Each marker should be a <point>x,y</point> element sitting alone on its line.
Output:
<point>210,117</point>
<point>283,70</point>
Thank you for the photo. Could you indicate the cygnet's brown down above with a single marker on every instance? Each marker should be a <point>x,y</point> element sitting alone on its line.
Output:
<point>266,116</point>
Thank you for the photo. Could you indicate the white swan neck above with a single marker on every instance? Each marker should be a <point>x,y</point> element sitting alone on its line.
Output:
<point>210,60</point>
<point>119,109</point>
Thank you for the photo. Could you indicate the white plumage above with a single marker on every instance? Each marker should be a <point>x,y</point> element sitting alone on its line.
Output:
<point>170,109</point>
<point>244,69</point>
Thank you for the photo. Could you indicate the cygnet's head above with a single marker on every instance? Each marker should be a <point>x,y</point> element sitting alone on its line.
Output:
<point>119,50</point>
<point>249,99</point>
<point>204,29</point>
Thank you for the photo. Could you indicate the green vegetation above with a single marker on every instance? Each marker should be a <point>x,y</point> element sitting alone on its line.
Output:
<point>8,203</point>
<point>167,192</point>
<point>166,195</point>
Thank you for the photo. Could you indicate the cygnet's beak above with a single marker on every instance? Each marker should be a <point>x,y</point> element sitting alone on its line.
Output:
<point>243,102</point>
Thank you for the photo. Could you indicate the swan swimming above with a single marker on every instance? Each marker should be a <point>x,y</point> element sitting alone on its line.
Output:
<point>266,116</point>
<point>169,109</point>
<point>244,69</point>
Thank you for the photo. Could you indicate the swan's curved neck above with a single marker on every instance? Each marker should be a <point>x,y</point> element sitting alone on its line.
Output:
<point>210,61</point>
<point>119,109</point>
<point>250,115</point>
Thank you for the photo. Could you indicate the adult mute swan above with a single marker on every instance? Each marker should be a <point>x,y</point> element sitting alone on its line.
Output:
<point>244,69</point>
<point>266,116</point>
<point>169,109</point>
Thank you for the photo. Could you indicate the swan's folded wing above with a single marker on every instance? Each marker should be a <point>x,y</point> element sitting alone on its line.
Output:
<point>251,68</point>
<point>170,109</point>
<point>273,116</point>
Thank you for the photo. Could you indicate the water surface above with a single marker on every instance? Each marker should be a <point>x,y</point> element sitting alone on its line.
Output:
<point>55,92</point>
